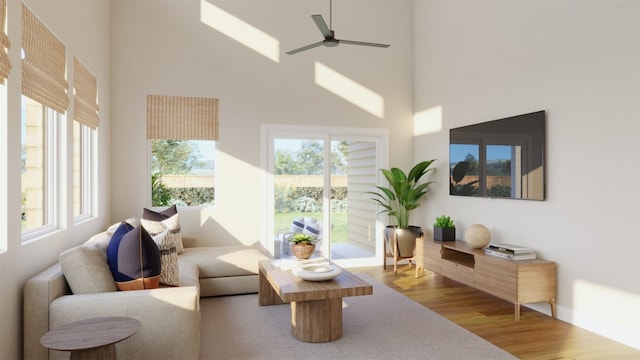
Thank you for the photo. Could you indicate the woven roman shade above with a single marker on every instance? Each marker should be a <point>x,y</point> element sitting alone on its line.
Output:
<point>5,64</point>
<point>44,64</point>
<point>85,95</point>
<point>182,118</point>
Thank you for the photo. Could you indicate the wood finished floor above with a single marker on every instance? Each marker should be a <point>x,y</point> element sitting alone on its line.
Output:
<point>536,336</point>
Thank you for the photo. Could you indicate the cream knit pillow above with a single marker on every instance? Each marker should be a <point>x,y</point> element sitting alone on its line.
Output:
<point>86,269</point>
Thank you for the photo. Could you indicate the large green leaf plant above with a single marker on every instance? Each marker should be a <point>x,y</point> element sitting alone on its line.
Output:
<point>404,191</point>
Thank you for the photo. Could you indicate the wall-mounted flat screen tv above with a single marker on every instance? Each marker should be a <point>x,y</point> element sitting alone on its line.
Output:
<point>499,159</point>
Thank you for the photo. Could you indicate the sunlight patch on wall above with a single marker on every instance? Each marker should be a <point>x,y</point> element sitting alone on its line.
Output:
<point>228,217</point>
<point>599,307</point>
<point>349,90</point>
<point>427,121</point>
<point>239,30</point>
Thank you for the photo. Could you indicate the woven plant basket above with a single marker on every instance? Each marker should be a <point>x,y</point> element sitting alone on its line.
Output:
<point>302,251</point>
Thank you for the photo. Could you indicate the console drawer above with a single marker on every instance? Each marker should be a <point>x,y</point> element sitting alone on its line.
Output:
<point>458,272</point>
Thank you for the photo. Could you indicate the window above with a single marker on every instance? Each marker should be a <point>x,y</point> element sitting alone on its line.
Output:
<point>86,121</point>
<point>3,161</point>
<point>182,133</point>
<point>44,104</point>
<point>39,167</point>
<point>83,170</point>
<point>182,172</point>
<point>322,175</point>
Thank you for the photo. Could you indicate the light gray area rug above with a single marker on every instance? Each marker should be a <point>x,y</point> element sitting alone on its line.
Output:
<point>385,325</point>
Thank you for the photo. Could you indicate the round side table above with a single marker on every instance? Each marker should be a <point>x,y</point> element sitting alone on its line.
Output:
<point>91,338</point>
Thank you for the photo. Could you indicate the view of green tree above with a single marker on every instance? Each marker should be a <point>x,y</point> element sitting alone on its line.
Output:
<point>160,193</point>
<point>473,164</point>
<point>285,163</point>
<point>310,155</point>
<point>339,158</point>
<point>308,159</point>
<point>174,157</point>
<point>178,157</point>
<point>494,168</point>
<point>499,168</point>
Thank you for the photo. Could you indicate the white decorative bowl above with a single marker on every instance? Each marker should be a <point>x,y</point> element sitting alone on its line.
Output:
<point>477,235</point>
<point>316,274</point>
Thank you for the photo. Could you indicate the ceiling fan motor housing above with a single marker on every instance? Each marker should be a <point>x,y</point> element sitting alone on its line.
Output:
<point>330,42</point>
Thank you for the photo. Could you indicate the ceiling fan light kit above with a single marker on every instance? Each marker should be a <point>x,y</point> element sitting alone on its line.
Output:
<point>329,36</point>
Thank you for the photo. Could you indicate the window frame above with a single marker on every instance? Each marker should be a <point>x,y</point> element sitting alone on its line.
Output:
<point>269,132</point>
<point>4,114</point>
<point>150,175</point>
<point>87,172</point>
<point>53,152</point>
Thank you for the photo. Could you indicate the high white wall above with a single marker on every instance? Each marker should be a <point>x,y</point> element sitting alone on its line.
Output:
<point>84,27</point>
<point>477,61</point>
<point>187,48</point>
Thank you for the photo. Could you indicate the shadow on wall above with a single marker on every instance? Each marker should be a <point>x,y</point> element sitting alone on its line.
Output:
<point>198,223</point>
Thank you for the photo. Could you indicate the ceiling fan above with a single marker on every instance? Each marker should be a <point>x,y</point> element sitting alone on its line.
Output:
<point>329,36</point>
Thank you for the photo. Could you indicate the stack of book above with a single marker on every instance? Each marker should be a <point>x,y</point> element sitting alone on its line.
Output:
<point>511,252</point>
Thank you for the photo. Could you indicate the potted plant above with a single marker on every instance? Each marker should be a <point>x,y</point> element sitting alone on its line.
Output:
<point>444,229</point>
<point>302,245</point>
<point>398,200</point>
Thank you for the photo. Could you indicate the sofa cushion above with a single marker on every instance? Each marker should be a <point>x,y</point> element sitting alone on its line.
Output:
<point>224,261</point>
<point>171,219</point>
<point>297,225</point>
<point>314,229</point>
<point>86,269</point>
<point>134,258</point>
<point>169,271</point>
<point>189,273</point>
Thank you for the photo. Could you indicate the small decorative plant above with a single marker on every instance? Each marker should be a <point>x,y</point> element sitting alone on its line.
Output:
<point>302,245</point>
<point>444,222</point>
<point>302,238</point>
<point>444,229</point>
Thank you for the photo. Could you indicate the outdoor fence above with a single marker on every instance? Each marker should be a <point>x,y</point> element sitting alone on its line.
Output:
<point>199,181</point>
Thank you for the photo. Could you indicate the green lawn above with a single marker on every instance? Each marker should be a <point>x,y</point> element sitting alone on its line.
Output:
<point>282,223</point>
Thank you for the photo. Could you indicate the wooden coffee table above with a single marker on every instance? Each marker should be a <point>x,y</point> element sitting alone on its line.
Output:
<point>91,338</point>
<point>316,306</point>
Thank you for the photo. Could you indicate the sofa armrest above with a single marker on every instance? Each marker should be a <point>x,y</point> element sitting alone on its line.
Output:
<point>39,292</point>
<point>170,320</point>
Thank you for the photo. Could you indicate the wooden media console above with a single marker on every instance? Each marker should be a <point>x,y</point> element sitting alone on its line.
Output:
<point>517,281</point>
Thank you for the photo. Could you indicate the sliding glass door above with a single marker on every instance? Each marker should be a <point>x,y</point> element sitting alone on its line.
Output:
<point>298,190</point>
<point>317,184</point>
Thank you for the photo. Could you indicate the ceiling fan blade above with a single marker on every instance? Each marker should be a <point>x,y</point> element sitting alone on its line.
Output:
<point>295,51</point>
<point>350,42</point>
<point>322,25</point>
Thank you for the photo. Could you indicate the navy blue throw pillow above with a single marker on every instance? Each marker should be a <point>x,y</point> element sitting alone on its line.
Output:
<point>134,258</point>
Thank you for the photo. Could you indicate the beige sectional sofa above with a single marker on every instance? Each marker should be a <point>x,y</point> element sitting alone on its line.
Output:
<point>170,316</point>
